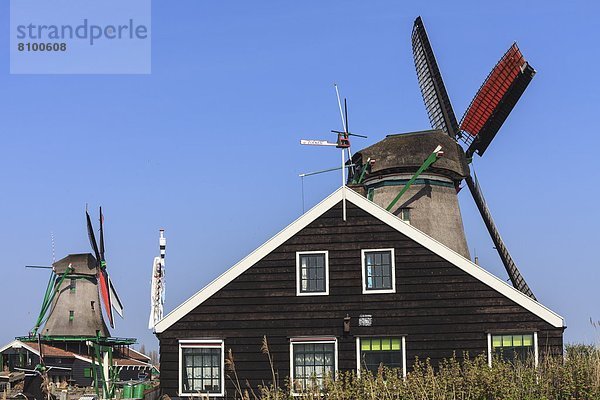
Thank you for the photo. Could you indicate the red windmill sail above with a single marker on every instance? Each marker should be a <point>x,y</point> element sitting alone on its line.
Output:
<point>495,100</point>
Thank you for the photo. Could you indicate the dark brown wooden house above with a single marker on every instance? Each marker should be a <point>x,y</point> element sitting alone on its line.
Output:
<point>340,295</point>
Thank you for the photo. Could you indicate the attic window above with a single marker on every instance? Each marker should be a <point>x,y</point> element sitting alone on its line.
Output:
<point>312,273</point>
<point>378,271</point>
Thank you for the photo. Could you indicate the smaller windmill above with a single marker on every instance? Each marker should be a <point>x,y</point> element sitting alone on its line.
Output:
<point>72,314</point>
<point>157,291</point>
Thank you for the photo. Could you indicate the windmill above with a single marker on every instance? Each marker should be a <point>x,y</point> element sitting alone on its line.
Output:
<point>435,187</point>
<point>157,290</point>
<point>72,314</point>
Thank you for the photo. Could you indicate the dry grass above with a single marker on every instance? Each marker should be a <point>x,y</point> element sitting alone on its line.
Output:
<point>574,377</point>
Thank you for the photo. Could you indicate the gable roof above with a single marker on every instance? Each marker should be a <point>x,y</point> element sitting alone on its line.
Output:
<point>49,351</point>
<point>386,217</point>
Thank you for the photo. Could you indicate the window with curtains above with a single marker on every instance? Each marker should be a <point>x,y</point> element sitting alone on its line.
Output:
<point>312,270</point>
<point>312,360</point>
<point>201,367</point>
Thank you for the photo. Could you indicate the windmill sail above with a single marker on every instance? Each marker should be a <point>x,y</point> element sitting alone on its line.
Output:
<point>439,109</point>
<point>105,295</point>
<point>91,236</point>
<point>513,272</point>
<point>495,100</point>
<point>114,299</point>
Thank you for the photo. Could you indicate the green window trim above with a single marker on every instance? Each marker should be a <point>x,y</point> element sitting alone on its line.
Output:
<point>87,373</point>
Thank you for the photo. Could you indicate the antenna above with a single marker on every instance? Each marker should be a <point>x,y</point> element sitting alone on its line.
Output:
<point>337,92</point>
<point>343,142</point>
<point>53,248</point>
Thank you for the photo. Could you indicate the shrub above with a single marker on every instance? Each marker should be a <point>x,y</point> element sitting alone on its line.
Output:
<point>576,376</point>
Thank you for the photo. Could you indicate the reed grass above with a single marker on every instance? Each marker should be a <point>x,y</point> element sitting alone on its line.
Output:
<point>576,376</point>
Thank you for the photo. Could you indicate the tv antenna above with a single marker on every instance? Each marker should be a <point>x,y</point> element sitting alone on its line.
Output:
<point>342,143</point>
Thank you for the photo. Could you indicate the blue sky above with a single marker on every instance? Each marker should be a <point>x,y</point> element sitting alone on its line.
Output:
<point>206,146</point>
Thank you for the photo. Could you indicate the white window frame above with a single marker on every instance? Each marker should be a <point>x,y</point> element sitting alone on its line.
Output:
<point>364,277</point>
<point>536,354</point>
<point>201,343</point>
<point>358,351</point>
<point>299,274</point>
<point>311,340</point>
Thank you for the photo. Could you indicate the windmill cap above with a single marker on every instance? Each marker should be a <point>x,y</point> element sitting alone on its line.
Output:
<point>401,153</point>
<point>83,264</point>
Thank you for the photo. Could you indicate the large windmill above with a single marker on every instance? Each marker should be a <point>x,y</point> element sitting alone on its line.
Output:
<point>430,192</point>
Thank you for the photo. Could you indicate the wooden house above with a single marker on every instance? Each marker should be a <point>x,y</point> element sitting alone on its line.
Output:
<point>335,295</point>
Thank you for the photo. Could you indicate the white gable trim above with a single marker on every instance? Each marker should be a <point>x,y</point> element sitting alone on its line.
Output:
<point>248,261</point>
<point>141,354</point>
<point>410,231</point>
<point>17,344</point>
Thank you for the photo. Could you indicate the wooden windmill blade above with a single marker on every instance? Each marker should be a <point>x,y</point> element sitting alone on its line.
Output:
<point>484,117</point>
<point>102,274</point>
<point>514,274</point>
<point>495,99</point>
<point>439,109</point>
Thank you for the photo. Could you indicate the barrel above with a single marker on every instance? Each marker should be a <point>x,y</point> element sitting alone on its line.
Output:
<point>138,391</point>
<point>127,391</point>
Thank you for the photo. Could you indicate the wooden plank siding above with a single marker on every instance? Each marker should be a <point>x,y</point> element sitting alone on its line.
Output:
<point>440,308</point>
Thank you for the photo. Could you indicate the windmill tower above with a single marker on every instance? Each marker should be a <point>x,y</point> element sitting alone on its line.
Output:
<point>392,173</point>
<point>76,308</point>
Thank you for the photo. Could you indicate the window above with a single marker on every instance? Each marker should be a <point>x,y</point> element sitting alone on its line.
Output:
<point>71,316</point>
<point>201,367</point>
<point>72,285</point>
<point>312,273</point>
<point>311,359</point>
<point>87,373</point>
<point>512,346</point>
<point>372,352</point>
<point>378,271</point>
<point>404,214</point>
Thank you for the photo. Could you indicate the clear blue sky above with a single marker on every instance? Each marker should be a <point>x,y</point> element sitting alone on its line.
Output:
<point>207,145</point>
